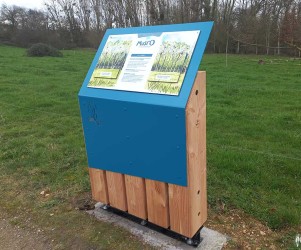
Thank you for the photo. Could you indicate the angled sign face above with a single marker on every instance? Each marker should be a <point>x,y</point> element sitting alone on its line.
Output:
<point>145,62</point>
<point>134,97</point>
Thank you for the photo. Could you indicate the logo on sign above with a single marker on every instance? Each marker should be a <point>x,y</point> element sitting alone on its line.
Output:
<point>146,43</point>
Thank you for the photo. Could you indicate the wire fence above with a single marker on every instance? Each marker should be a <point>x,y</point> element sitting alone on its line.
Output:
<point>240,46</point>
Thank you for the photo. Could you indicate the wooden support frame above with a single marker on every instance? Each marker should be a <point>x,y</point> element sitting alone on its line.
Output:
<point>182,209</point>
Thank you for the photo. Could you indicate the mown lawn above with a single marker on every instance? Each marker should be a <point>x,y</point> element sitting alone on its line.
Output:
<point>253,133</point>
<point>42,148</point>
<point>254,136</point>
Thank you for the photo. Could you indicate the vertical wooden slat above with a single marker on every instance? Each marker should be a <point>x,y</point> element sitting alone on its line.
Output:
<point>99,185</point>
<point>179,209</point>
<point>188,205</point>
<point>116,190</point>
<point>157,203</point>
<point>136,196</point>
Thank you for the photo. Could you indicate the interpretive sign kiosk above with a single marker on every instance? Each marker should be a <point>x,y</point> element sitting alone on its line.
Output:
<point>143,108</point>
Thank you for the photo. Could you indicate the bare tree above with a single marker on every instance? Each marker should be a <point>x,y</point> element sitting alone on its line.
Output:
<point>249,26</point>
<point>11,15</point>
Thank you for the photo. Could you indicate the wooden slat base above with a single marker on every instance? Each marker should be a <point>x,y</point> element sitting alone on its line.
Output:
<point>182,209</point>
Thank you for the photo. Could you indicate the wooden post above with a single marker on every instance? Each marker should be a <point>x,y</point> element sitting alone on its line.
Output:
<point>188,205</point>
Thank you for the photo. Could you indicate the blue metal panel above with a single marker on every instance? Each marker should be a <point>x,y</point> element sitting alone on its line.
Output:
<point>140,134</point>
<point>135,139</point>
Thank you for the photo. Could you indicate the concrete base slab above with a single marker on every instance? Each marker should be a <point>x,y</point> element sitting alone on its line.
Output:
<point>211,240</point>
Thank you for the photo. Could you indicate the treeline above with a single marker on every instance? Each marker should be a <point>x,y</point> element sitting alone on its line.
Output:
<point>241,26</point>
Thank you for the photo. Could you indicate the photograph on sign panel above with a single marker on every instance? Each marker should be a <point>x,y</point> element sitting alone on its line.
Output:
<point>168,71</point>
<point>111,61</point>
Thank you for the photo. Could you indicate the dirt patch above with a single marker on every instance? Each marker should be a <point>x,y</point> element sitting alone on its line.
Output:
<point>83,201</point>
<point>248,233</point>
<point>14,236</point>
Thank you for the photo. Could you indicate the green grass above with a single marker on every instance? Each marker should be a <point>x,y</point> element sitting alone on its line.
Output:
<point>254,136</point>
<point>42,147</point>
<point>253,141</point>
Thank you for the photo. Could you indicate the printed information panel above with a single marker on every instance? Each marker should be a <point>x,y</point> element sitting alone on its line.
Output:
<point>145,62</point>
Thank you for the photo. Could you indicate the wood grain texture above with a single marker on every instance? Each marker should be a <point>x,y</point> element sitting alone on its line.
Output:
<point>157,203</point>
<point>136,196</point>
<point>116,190</point>
<point>99,185</point>
<point>188,205</point>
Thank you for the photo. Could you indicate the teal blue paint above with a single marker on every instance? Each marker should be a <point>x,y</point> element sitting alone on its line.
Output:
<point>140,134</point>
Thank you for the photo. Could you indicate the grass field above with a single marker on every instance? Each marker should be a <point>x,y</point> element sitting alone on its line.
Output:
<point>253,142</point>
<point>254,136</point>
<point>42,148</point>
